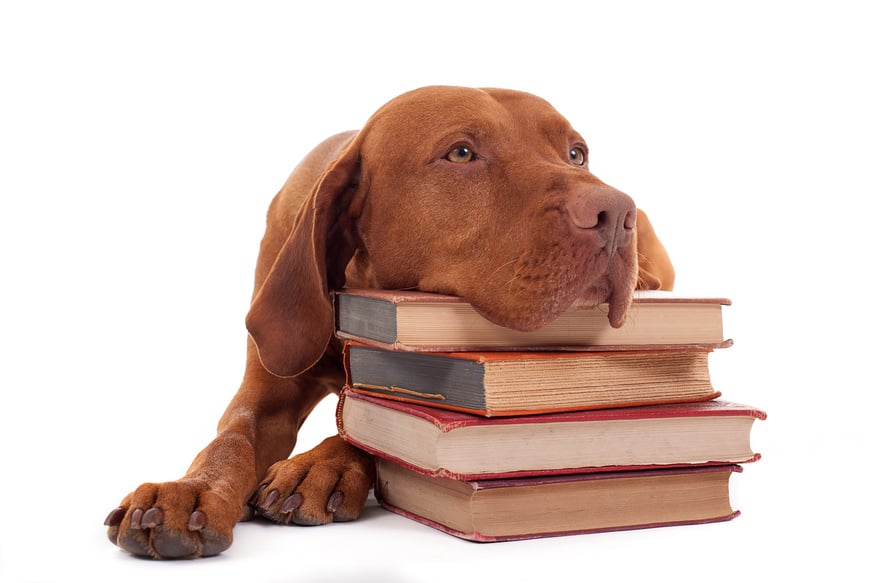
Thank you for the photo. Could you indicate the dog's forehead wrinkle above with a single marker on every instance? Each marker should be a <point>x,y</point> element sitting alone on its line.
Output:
<point>478,134</point>
<point>500,122</point>
<point>432,104</point>
<point>534,112</point>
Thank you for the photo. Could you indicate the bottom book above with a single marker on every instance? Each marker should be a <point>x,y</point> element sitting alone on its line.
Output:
<point>522,508</point>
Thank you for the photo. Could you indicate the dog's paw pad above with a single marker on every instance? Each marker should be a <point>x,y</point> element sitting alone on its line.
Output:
<point>170,544</point>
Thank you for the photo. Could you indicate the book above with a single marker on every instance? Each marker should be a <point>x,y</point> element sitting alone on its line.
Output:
<point>518,383</point>
<point>523,508</point>
<point>460,446</point>
<point>428,322</point>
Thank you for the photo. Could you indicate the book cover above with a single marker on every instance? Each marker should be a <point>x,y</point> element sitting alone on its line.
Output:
<point>456,445</point>
<point>524,508</point>
<point>427,322</point>
<point>519,383</point>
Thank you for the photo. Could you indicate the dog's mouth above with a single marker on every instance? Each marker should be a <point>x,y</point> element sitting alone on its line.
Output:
<point>550,260</point>
<point>618,302</point>
<point>575,256</point>
<point>532,301</point>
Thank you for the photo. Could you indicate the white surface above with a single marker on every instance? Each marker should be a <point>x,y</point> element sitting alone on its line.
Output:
<point>139,149</point>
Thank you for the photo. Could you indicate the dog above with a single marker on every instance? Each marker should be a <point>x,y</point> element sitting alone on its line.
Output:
<point>484,194</point>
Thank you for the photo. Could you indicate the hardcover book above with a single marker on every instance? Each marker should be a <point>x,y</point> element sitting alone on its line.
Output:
<point>455,445</point>
<point>518,383</point>
<point>495,510</point>
<point>419,321</point>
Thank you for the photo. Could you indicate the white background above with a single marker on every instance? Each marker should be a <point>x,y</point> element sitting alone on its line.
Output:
<point>140,144</point>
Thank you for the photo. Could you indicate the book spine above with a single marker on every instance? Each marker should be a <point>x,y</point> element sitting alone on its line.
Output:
<point>425,378</point>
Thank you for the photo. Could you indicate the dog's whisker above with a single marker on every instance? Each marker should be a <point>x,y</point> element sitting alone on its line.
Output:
<point>502,266</point>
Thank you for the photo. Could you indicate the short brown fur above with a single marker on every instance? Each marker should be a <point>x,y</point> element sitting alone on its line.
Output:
<point>478,193</point>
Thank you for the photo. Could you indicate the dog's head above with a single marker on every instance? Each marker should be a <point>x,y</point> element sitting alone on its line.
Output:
<point>485,194</point>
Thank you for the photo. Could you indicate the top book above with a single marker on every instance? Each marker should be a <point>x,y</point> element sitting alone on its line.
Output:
<point>426,322</point>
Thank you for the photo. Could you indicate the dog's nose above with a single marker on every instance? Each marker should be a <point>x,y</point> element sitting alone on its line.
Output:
<point>605,211</point>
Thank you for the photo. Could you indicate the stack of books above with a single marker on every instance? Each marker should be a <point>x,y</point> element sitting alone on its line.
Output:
<point>492,434</point>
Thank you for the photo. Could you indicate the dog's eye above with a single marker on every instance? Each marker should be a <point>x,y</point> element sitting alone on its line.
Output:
<point>461,154</point>
<point>578,156</point>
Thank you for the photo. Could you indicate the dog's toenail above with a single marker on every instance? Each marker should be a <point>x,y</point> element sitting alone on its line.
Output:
<point>197,520</point>
<point>291,503</point>
<point>152,518</point>
<point>335,501</point>
<point>272,497</point>
<point>136,519</point>
<point>114,518</point>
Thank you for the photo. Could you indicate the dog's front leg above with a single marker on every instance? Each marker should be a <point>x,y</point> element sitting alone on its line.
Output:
<point>195,515</point>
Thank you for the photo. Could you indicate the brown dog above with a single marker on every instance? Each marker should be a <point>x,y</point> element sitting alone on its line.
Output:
<point>484,194</point>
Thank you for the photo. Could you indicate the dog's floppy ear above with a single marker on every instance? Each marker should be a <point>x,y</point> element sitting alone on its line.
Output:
<point>654,267</point>
<point>291,319</point>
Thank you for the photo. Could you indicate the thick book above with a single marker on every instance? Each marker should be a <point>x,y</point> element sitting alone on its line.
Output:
<point>455,445</point>
<point>428,322</point>
<point>523,508</point>
<point>520,383</point>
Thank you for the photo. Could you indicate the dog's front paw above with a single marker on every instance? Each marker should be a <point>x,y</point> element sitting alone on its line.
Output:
<point>172,520</point>
<point>328,483</point>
